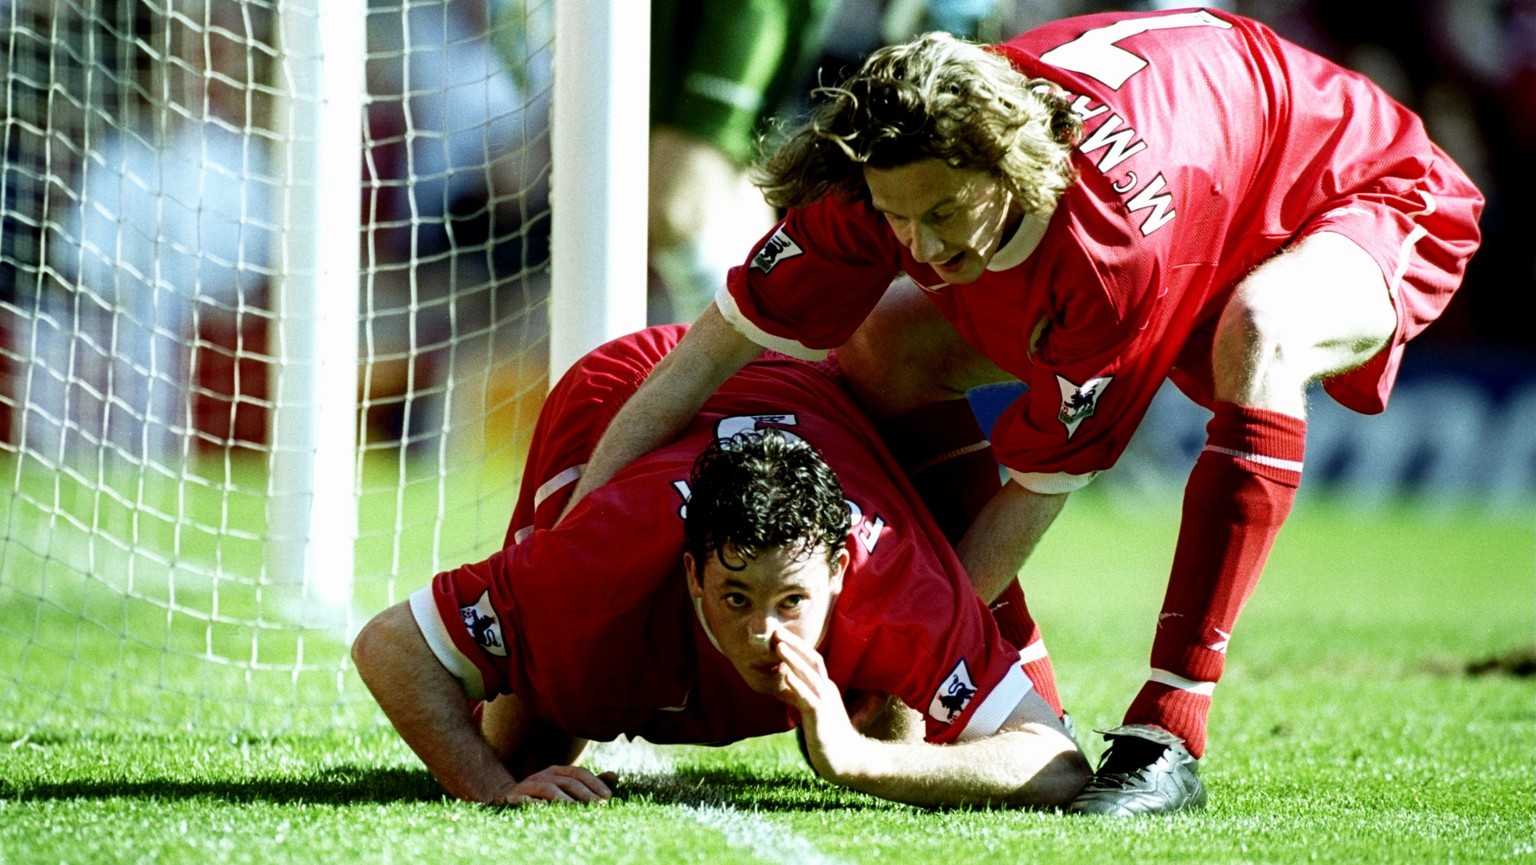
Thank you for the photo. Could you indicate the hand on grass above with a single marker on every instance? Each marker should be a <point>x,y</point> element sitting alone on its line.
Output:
<point>563,784</point>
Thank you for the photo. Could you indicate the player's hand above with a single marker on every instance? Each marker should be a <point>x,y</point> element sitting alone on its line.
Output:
<point>564,784</point>
<point>832,742</point>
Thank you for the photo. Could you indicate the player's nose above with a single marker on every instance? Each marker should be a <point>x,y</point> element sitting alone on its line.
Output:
<point>761,630</point>
<point>926,246</point>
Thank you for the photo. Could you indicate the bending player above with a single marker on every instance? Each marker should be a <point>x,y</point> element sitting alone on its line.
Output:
<point>1093,208</point>
<point>714,602</point>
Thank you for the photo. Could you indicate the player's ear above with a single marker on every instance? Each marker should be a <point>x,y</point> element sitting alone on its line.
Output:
<point>695,579</point>
<point>839,567</point>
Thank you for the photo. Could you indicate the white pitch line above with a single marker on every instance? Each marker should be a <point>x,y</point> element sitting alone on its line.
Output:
<point>764,838</point>
<point>747,830</point>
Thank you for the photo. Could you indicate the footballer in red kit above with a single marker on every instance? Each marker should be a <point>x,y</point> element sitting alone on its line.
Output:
<point>1093,208</point>
<point>588,619</point>
<point>1095,302</point>
<point>906,623</point>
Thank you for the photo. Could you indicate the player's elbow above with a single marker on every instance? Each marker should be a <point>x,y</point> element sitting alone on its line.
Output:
<point>1052,767</point>
<point>1059,780</point>
<point>365,651</point>
<point>374,647</point>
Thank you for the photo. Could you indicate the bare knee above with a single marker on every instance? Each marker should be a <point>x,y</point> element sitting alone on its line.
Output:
<point>1318,309</point>
<point>1250,352</point>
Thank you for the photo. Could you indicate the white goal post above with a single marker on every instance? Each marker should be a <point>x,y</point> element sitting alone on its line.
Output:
<point>281,292</point>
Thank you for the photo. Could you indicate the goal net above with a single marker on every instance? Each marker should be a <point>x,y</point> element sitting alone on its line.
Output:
<point>260,375</point>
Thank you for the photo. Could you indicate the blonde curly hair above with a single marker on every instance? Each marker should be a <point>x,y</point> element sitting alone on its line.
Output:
<point>935,97</point>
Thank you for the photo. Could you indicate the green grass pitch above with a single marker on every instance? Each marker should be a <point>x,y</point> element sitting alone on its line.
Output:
<point>1357,722</point>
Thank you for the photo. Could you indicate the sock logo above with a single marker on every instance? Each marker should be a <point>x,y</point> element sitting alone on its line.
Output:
<point>1080,401</point>
<point>1219,643</point>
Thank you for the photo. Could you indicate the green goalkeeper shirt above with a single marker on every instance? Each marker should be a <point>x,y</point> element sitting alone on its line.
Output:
<point>719,68</point>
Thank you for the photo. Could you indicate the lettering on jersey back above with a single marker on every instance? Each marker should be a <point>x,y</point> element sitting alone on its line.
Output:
<point>1119,142</point>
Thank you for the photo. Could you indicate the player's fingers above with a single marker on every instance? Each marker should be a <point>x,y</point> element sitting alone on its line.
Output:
<point>583,786</point>
<point>545,791</point>
<point>810,672</point>
<point>579,791</point>
<point>791,646</point>
<point>564,784</point>
<point>799,687</point>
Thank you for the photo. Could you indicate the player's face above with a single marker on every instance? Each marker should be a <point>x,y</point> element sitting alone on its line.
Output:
<point>744,609</point>
<point>952,219</point>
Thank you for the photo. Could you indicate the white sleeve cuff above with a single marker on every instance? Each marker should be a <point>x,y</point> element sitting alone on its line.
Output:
<point>1051,483</point>
<point>424,609</point>
<point>998,705</point>
<point>746,328</point>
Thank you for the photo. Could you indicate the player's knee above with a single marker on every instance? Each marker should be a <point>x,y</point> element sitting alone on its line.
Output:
<point>1251,333</point>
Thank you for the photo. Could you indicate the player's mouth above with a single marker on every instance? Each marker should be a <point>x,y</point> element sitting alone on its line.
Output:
<point>951,264</point>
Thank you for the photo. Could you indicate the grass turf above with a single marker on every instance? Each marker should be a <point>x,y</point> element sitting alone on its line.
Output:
<point>1357,722</point>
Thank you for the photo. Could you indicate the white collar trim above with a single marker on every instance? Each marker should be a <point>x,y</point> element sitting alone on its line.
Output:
<point>1024,240</point>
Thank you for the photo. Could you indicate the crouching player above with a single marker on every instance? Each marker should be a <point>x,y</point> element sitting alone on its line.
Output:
<point>769,568</point>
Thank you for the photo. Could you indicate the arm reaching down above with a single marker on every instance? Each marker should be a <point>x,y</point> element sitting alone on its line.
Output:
<point>1004,534</point>
<point>710,353</point>
<point>430,710</point>
<point>1029,761</point>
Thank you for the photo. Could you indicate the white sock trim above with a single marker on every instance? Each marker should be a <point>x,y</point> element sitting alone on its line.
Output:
<point>1163,677</point>
<point>1272,462</point>
<point>1033,652</point>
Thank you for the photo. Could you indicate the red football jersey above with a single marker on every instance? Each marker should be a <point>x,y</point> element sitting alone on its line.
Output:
<point>1209,143</point>
<point>590,621</point>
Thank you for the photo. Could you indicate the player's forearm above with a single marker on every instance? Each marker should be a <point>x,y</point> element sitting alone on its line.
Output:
<point>711,352</point>
<point>1034,766</point>
<point>1004,534</point>
<point>428,707</point>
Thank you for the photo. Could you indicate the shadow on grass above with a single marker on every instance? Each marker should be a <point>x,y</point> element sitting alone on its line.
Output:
<point>751,792</point>
<point>341,785</point>
<point>1519,663</point>
<point>346,785</point>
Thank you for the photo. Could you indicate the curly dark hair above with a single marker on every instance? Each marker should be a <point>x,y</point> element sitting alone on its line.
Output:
<point>935,97</point>
<point>761,490</point>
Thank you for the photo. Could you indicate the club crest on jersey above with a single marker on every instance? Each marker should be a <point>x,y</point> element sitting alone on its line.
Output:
<point>1080,401</point>
<point>953,695</point>
<point>779,247</point>
<point>480,621</point>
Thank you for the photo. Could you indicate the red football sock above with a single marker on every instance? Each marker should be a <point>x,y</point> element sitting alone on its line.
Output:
<point>1239,494</point>
<point>1019,628</point>
<point>948,459</point>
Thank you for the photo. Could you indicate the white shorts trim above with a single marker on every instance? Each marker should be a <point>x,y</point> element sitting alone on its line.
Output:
<point>1413,237</point>
<point>997,705</point>
<point>1053,483</point>
<point>554,484</point>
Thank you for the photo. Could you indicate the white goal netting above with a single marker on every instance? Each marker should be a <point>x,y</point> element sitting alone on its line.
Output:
<point>159,224</point>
